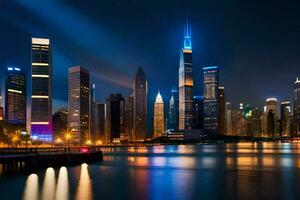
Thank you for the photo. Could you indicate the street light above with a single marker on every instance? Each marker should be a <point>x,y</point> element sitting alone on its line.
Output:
<point>68,134</point>
<point>26,135</point>
<point>58,140</point>
<point>99,142</point>
<point>89,142</point>
<point>35,139</point>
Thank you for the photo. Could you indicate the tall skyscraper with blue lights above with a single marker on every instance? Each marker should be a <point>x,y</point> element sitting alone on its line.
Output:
<point>186,114</point>
<point>211,96</point>
<point>41,90</point>
<point>15,96</point>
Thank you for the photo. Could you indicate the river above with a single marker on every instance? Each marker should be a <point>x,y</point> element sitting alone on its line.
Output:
<point>204,171</point>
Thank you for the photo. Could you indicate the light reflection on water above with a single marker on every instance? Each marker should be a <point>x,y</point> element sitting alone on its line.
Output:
<point>48,191</point>
<point>31,191</point>
<point>84,189</point>
<point>230,171</point>
<point>62,190</point>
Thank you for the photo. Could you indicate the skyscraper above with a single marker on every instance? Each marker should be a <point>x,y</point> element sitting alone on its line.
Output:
<point>41,90</point>
<point>140,94</point>
<point>271,114</point>
<point>228,119</point>
<point>159,117</point>
<point>129,118</point>
<point>285,119</point>
<point>173,110</point>
<point>296,110</point>
<point>100,121</point>
<point>15,96</point>
<point>115,118</point>
<point>79,103</point>
<point>186,114</point>
<point>256,122</point>
<point>93,114</point>
<point>248,118</point>
<point>221,100</point>
<point>198,112</point>
<point>211,99</point>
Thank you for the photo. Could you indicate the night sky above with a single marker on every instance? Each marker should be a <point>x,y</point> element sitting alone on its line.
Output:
<point>256,44</point>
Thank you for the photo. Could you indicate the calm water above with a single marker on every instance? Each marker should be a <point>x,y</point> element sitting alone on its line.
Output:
<point>229,171</point>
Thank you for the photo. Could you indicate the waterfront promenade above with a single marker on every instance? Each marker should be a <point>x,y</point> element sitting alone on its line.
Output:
<point>17,159</point>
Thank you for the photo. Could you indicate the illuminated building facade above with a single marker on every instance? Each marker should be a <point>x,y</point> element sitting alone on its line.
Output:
<point>115,118</point>
<point>93,113</point>
<point>140,95</point>
<point>186,114</point>
<point>159,117</point>
<point>285,119</point>
<point>1,114</point>
<point>211,99</point>
<point>173,110</point>
<point>247,114</point>
<point>129,118</point>
<point>79,103</point>
<point>256,122</point>
<point>228,120</point>
<point>15,96</point>
<point>271,117</point>
<point>221,119</point>
<point>198,112</point>
<point>296,108</point>
<point>41,90</point>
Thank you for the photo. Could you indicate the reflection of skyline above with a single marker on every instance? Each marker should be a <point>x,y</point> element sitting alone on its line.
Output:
<point>178,172</point>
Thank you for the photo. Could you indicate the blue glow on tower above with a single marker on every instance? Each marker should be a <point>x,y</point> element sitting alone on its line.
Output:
<point>187,37</point>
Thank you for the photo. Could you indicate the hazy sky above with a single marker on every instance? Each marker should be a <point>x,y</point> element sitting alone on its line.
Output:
<point>256,44</point>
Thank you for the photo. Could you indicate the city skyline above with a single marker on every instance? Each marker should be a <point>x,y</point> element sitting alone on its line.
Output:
<point>130,99</point>
<point>276,84</point>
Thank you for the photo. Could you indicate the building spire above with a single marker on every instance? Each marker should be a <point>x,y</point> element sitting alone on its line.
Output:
<point>187,36</point>
<point>158,98</point>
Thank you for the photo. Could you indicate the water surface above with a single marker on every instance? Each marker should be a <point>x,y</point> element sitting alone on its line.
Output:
<point>207,171</point>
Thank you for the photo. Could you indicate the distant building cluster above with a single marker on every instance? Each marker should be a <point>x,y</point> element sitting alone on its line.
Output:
<point>125,119</point>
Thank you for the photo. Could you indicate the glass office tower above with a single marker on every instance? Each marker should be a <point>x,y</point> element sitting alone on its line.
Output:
<point>173,110</point>
<point>15,96</point>
<point>140,95</point>
<point>41,90</point>
<point>79,103</point>
<point>211,96</point>
<point>186,114</point>
<point>115,118</point>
